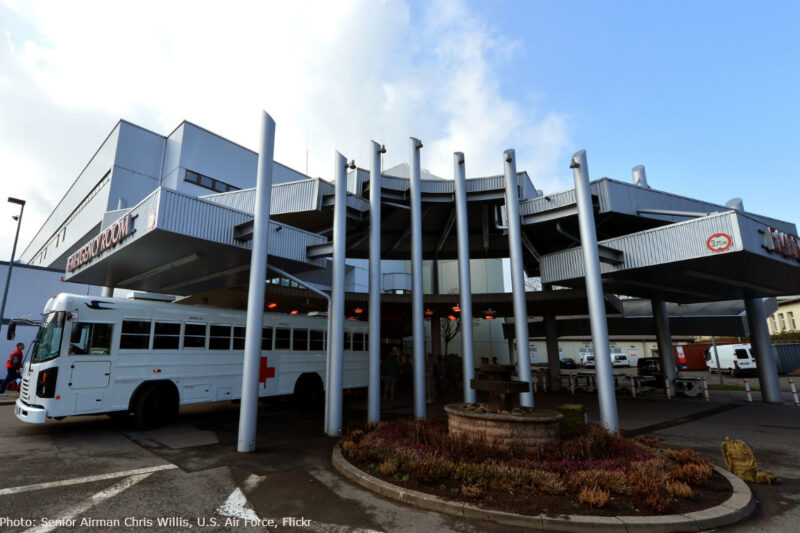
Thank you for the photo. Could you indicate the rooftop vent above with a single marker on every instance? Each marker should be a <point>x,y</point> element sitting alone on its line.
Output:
<point>639,177</point>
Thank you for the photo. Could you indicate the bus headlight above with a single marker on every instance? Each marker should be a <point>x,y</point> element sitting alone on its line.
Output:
<point>46,383</point>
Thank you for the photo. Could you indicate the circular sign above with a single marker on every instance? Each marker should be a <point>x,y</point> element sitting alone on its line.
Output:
<point>719,242</point>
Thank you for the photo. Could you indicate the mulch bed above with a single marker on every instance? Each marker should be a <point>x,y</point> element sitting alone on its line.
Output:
<point>389,441</point>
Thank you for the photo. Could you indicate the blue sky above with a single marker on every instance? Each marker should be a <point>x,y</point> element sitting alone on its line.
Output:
<point>704,94</point>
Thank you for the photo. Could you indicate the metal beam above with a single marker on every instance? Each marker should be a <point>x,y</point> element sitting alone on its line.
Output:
<point>448,227</point>
<point>517,276</point>
<point>594,293</point>
<point>336,335</point>
<point>417,309</point>
<point>464,276</point>
<point>248,408</point>
<point>733,282</point>
<point>374,384</point>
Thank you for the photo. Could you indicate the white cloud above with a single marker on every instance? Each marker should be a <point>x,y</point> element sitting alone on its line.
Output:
<point>336,74</point>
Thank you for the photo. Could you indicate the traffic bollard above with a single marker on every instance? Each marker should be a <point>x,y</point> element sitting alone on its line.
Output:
<point>705,390</point>
<point>544,383</point>
<point>794,393</point>
<point>633,387</point>
<point>572,384</point>
<point>668,388</point>
<point>747,391</point>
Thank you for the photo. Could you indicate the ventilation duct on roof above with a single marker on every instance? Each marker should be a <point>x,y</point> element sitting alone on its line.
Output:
<point>735,203</point>
<point>639,177</point>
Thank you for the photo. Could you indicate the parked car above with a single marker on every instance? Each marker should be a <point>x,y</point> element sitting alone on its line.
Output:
<point>734,359</point>
<point>620,360</point>
<point>587,360</point>
<point>568,362</point>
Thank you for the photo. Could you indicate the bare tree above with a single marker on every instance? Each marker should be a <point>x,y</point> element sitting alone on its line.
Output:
<point>449,329</point>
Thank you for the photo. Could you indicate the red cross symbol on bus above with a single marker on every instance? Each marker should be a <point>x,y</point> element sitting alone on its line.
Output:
<point>265,372</point>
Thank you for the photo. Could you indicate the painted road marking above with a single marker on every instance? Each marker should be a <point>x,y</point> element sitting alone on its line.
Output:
<point>88,504</point>
<point>237,506</point>
<point>87,479</point>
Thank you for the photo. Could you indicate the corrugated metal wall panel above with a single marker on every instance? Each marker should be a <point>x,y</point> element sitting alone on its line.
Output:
<point>286,198</point>
<point>109,217</point>
<point>678,242</point>
<point>788,357</point>
<point>181,214</point>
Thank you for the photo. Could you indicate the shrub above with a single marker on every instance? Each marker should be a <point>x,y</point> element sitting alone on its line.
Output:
<point>547,482</point>
<point>594,497</point>
<point>694,474</point>
<point>471,491</point>
<point>650,442</point>
<point>388,467</point>
<point>679,489</point>
<point>684,456</point>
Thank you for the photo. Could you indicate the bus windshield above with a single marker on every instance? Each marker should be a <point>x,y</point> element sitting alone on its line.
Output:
<point>48,340</point>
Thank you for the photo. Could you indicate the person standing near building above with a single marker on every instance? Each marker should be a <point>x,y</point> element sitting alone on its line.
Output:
<point>12,368</point>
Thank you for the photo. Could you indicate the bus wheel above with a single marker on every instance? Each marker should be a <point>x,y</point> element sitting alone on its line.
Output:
<point>118,415</point>
<point>156,406</point>
<point>309,394</point>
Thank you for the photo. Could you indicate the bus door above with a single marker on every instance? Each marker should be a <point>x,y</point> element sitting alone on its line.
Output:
<point>90,364</point>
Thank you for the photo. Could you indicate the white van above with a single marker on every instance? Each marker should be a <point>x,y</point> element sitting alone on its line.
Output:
<point>587,359</point>
<point>620,360</point>
<point>734,359</point>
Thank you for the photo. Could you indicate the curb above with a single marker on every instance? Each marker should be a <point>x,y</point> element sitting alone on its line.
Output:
<point>736,508</point>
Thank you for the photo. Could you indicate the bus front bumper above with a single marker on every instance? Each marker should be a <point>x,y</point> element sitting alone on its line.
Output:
<point>27,413</point>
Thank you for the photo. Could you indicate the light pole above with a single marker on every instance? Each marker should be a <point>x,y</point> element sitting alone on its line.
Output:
<point>18,218</point>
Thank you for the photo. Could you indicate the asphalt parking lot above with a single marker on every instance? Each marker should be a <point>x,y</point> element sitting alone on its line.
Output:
<point>99,474</point>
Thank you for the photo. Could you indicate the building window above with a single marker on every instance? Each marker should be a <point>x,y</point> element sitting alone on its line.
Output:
<point>782,318</point>
<point>207,182</point>
<point>791,320</point>
<point>772,324</point>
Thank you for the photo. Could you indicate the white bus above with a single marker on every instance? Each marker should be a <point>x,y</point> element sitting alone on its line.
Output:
<point>105,355</point>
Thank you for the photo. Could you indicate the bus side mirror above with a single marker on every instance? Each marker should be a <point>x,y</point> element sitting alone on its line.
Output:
<point>12,331</point>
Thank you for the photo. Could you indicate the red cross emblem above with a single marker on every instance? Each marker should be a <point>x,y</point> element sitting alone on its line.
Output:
<point>265,372</point>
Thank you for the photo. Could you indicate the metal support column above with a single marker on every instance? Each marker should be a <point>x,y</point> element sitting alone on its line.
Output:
<point>594,293</point>
<point>248,408</point>
<point>763,351</point>
<point>107,292</point>
<point>464,276</point>
<point>417,311</point>
<point>553,357</point>
<point>664,341</point>
<point>716,358</point>
<point>517,276</point>
<point>336,335</point>
<point>374,400</point>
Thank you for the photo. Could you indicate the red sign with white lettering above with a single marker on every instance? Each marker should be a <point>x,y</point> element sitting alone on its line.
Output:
<point>719,242</point>
<point>783,243</point>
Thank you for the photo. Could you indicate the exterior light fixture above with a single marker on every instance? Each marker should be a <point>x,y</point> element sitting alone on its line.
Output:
<point>456,309</point>
<point>358,310</point>
<point>451,317</point>
<point>294,312</point>
<point>272,305</point>
<point>488,314</point>
<point>428,312</point>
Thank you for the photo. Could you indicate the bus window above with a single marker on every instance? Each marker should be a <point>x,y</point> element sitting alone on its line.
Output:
<point>194,336</point>
<point>48,340</point>
<point>358,342</point>
<point>317,344</point>
<point>220,338</point>
<point>366,342</point>
<point>167,336</point>
<point>135,335</point>
<point>283,338</point>
<point>348,340</point>
<point>90,339</point>
<point>238,338</point>
<point>300,337</point>
<point>266,339</point>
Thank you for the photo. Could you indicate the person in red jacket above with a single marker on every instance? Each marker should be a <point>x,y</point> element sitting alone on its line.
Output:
<point>12,367</point>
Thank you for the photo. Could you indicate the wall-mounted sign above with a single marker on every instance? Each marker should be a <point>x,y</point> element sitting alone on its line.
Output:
<point>719,242</point>
<point>783,243</point>
<point>108,238</point>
